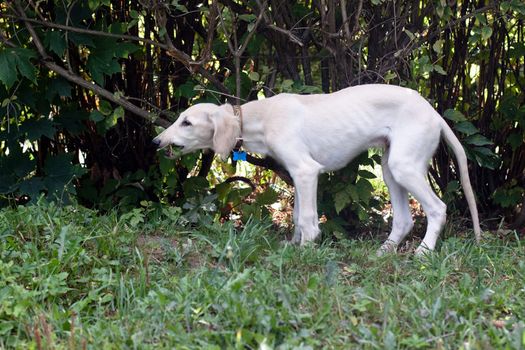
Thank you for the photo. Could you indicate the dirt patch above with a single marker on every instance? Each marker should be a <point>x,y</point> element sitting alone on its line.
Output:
<point>159,248</point>
<point>156,247</point>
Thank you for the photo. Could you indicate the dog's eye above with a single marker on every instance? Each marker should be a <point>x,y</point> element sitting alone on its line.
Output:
<point>185,122</point>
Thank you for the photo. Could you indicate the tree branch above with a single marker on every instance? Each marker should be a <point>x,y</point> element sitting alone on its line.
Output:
<point>89,31</point>
<point>49,64</point>
<point>237,50</point>
<point>171,50</point>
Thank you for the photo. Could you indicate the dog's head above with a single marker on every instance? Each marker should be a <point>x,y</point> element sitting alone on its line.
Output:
<point>202,126</point>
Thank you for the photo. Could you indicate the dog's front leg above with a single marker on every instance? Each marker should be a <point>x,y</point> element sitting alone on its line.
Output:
<point>307,221</point>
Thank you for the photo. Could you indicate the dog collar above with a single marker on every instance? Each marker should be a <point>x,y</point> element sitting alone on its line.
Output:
<point>237,111</point>
<point>238,153</point>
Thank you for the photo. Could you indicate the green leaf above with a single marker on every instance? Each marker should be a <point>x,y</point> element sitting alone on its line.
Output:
<point>132,24</point>
<point>81,39</point>
<point>366,174</point>
<point>486,33</point>
<point>222,189</point>
<point>99,67</point>
<point>189,160</point>
<point>352,191</point>
<point>454,115</point>
<point>37,128</point>
<point>438,46</point>
<point>440,11</point>
<point>181,8</point>
<point>123,50</point>
<point>376,158</point>
<point>248,17</point>
<point>16,60</point>
<point>508,197</point>
<point>341,200</point>
<point>55,41</point>
<point>71,119</point>
<point>118,28</point>
<point>105,107</point>
<point>286,85</point>
<point>267,197</point>
<point>515,140</point>
<point>478,140</point>
<point>438,69</point>
<point>186,90</point>
<point>466,128</point>
<point>96,116</point>
<point>362,213</point>
<point>409,34</point>
<point>364,190</point>
<point>119,113</point>
<point>254,76</point>
<point>57,165</point>
<point>32,187</point>
<point>103,58</point>
<point>58,87</point>
<point>484,156</point>
<point>7,181</point>
<point>390,75</point>
<point>18,163</point>
<point>59,173</point>
<point>93,4</point>
<point>110,120</point>
<point>424,60</point>
<point>308,89</point>
<point>220,47</point>
<point>427,68</point>
<point>8,74</point>
<point>195,185</point>
<point>27,69</point>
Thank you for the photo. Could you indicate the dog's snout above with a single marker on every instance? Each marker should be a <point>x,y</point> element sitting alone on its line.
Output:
<point>155,142</point>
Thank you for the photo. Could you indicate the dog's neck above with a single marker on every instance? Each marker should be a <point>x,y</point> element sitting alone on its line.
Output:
<point>252,132</point>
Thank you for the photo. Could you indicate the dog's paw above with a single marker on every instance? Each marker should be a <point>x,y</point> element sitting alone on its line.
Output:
<point>296,239</point>
<point>308,236</point>
<point>389,247</point>
<point>423,250</point>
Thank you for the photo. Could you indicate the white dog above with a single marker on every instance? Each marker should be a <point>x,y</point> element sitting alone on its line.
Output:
<point>310,134</point>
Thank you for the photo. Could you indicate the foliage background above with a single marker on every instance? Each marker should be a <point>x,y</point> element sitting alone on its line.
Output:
<point>84,86</point>
<point>85,82</point>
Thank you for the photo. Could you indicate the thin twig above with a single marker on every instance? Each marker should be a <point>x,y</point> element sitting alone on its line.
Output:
<point>254,29</point>
<point>286,32</point>
<point>212,23</point>
<point>346,25</point>
<point>85,31</point>
<point>237,50</point>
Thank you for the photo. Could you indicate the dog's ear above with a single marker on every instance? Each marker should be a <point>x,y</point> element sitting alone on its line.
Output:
<point>225,133</point>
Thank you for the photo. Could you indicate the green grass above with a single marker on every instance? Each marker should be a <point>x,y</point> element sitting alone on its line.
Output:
<point>70,279</point>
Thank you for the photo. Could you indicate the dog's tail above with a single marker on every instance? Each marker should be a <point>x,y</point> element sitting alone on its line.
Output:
<point>461,157</point>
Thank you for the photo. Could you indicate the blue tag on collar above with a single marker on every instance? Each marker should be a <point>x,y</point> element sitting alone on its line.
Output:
<point>239,155</point>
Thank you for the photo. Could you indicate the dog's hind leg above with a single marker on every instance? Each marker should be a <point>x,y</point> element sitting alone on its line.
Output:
<point>409,171</point>
<point>402,219</point>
